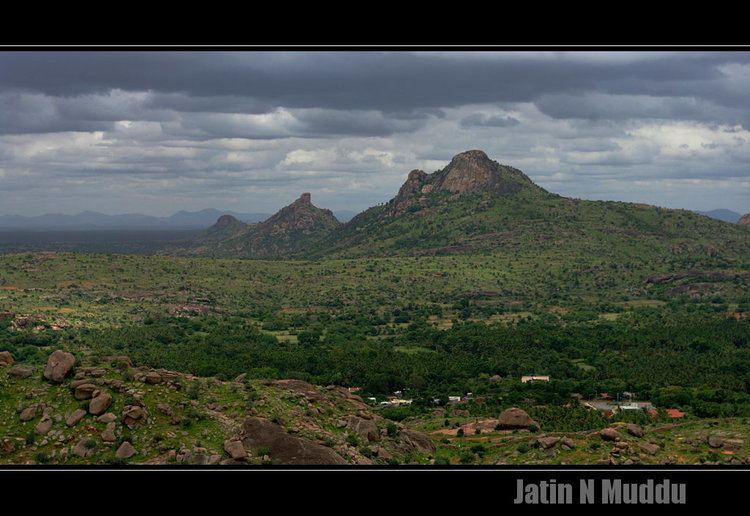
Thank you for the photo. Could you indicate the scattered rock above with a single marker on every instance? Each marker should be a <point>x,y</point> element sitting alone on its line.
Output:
<point>29,412</point>
<point>75,417</point>
<point>59,365</point>
<point>650,448</point>
<point>635,430</point>
<point>133,415</point>
<point>567,442</point>
<point>714,441</point>
<point>125,451</point>
<point>44,426</point>
<point>6,359</point>
<point>106,418</point>
<point>100,403</point>
<point>108,435</point>
<point>547,442</point>
<point>610,434</point>
<point>163,408</point>
<point>515,418</point>
<point>84,391</point>
<point>152,378</point>
<point>20,372</point>
<point>84,448</point>
<point>235,449</point>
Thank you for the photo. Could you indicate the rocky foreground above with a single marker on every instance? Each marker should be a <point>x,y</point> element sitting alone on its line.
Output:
<point>108,412</point>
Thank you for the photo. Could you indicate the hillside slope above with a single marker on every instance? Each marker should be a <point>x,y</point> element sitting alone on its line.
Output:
<point>108,411</point>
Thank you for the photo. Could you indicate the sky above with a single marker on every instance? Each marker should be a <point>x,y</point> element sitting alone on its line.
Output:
<point>158,132</point>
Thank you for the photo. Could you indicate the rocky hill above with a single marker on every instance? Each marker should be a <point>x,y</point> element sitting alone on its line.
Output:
<point>290,230</point>
<point>474,206</point>
<point>106,411</point>
<point>744,220</point>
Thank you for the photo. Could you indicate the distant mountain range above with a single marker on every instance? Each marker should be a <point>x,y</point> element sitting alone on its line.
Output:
<point>722,214</point>
<point>93,220</point>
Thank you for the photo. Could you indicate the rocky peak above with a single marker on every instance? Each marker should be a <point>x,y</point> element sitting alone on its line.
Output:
<point>225,221</point>
<point>468,172</point>
<point>744,220</point>
<point>473,171</point>
<point>301,215</point>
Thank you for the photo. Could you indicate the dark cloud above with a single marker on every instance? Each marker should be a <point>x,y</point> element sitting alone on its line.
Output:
<point>249,130</point>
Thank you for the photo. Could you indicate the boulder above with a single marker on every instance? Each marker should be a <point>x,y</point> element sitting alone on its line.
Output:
<point>6,359</point>
<point>44,426</point>
<point>650,448</point>
<point>714,441</point>
<point>285,449</point>
<point>20,372</point>
<point>610,434</point>
<point>84,391</point>
<point>515,418</point>
<point>133,415</point>
<point>547,442</point>
<point>366,428</point>
<point>152,378</point>
<point>59,365</point>
<point>567,442</point>
<point>108,435</point>
<point>106,418</point>
<point>125,451</point>
<point>29,412</point>
<point>75,417</point>
<point>163,408</point>
<point>635,430</point>
<point>84,448</point>
<point>100,403</point>
<point>235,449</point>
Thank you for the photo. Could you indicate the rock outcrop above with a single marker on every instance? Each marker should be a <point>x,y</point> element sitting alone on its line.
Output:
<point>283,448</point>
<point>744,220</point>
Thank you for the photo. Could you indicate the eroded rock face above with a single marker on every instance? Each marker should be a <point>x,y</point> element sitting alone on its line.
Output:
<point>59,365</point>
<point>285,449</point>
<point>515,419</point>
<point>744,220</point>
<point>366,428</point>
<point>417,441</point>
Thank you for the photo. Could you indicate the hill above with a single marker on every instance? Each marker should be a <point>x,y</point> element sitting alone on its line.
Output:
<point>477,206</point>
<point>290,230</point>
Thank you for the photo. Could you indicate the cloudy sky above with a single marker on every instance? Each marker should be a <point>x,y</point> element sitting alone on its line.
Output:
<point>155,133</point>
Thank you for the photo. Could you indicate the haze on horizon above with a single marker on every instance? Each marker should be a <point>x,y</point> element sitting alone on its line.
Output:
<point>159,132</point>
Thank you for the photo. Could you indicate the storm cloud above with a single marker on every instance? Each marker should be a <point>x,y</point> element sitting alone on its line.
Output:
<point>155,132</point>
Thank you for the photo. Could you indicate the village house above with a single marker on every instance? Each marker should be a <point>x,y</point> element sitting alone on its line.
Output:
<point>535,378</point>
